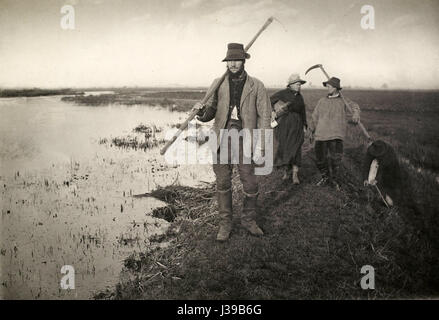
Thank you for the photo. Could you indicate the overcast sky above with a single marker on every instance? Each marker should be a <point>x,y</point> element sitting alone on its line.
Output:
<point>182,42</point>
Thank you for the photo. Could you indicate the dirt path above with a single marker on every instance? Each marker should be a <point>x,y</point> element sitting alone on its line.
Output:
<point>316,241</point>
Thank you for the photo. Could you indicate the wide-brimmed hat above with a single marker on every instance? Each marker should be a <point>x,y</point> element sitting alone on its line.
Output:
<point>377,149</point>
<point>295,78</point>
<point>235,51</point>
<point>333,81</point>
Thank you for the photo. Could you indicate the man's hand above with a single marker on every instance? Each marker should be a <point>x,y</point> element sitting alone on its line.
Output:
<point>310,136</point>
<point>199,107</point>
<point>389,201</point>
<point>355,118</point>
<point>367,183</point>
<point>306,131</point>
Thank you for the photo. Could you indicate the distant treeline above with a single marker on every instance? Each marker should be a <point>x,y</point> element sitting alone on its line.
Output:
<point>35,92</point>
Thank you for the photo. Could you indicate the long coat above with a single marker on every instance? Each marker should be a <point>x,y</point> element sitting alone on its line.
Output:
<point>289,133</point>
<point>255,107</point>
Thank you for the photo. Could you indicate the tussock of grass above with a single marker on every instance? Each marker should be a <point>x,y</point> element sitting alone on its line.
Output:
<point>136,142</point>
<point>142,128</point>
<point>168,213</point>
<point>186,200</point>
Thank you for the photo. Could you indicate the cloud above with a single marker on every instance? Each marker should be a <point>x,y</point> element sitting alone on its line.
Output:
<point>191,3</point>
<point>329,30</point>
<point>238,13</point>
<point>141,18</point>
<point>404,21</point>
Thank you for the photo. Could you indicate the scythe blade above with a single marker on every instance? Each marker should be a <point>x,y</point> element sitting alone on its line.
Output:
<point>313,67</point>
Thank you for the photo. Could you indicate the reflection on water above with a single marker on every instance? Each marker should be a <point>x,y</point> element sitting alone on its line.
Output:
<point>37,131</point>
<point>97,93</point>
<point>66,200</point>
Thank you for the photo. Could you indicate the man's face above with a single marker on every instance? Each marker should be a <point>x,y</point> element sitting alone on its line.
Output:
<point>331,89</point>
<point>235,65</point>
<point>295,86</point>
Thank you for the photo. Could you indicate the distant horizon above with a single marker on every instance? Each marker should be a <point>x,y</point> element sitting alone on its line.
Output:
<point>103,88</point>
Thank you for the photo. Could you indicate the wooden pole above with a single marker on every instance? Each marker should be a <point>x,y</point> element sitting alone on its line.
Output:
<point>209,93</point>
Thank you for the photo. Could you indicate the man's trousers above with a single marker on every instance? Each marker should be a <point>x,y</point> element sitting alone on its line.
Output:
<point>223,171</point>
<point>329,155</point>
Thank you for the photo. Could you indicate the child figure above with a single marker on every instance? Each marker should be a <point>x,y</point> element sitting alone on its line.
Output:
<point>381,169</point>
<point>328,127</point>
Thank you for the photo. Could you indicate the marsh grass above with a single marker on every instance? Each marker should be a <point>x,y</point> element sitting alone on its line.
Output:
<point>142,128</point>
<point>144,138</point>
<point>35,92</point>
<point>129,100</point>
<point>134,143</point>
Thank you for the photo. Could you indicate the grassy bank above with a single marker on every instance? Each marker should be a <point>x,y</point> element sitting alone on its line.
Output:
<point>316,241</point>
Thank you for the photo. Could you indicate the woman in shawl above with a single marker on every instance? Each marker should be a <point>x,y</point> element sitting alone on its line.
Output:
<point>290,127</point>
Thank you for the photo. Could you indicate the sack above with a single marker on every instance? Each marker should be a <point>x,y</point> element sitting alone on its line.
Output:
<point>280,108</point>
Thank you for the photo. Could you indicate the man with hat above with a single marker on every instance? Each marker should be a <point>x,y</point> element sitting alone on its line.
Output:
<point>241,102</point>
<point>329,129</point>
<point>290,115</point>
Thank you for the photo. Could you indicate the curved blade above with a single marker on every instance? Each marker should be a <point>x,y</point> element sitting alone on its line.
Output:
<point>313,67</point>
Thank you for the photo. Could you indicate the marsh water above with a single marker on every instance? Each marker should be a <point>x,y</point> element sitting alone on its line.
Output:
<point>66,199</point>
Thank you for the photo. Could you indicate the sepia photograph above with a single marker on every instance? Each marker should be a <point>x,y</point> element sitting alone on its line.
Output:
<point>247,151</point>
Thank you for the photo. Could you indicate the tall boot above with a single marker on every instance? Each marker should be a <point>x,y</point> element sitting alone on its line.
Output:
<point>225,214</point>
<point>295,175</point>
<point>285,175</point>
<point>248,215</point>
<point>322,165</point>
<point>324,179</point>
<point>335,173</point>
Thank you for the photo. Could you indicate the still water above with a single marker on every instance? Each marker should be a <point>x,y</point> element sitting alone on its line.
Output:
<point>68,200</point>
